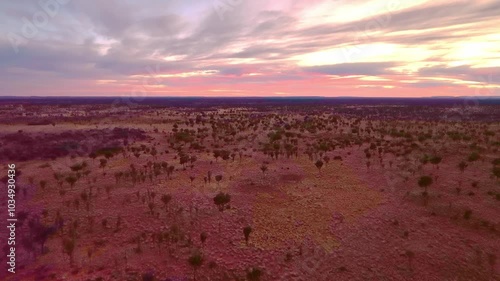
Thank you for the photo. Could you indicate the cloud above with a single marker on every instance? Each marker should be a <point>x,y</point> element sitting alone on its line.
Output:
<point>489,75</point>
<point>348,69</point>
<point>251,43</point>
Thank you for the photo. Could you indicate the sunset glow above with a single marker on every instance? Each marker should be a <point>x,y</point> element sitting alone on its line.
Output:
<point>250,48</point>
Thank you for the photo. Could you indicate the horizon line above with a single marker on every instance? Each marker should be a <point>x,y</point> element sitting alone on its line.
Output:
<point>236,97</point>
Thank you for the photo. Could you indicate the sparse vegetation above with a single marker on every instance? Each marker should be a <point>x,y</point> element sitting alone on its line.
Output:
<point>294,182</point>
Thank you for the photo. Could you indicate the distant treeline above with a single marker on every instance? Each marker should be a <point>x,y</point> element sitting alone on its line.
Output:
<point>203,102</point>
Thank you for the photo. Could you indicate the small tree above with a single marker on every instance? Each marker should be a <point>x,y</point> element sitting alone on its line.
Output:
<point>69,248</point>
<point>263,168</point>
<point>165,199</point>
<point>410,255</point>
<point>496,171</point>
<point>254,274</point>
<point>246,231</point>
<point>170,170</point>
<point>195,260</point>
<point>151,207</point>
<point>102,163</point>
<point>42,234</point>
<point>319,165</point>
<point>217,154</point>
<point>467,214</point>
<point>435,160</point>
<point>474,156</point>
<point>203,238</point>
<point>221,200</point>
<point>424,182</point>
<point>192,159</point>
<point>71,180</point>
<point>218,178</point>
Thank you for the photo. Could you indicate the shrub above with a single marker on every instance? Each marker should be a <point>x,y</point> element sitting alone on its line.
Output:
<point>474,156</point>
<point>425,181</point>
<point>467,214</point>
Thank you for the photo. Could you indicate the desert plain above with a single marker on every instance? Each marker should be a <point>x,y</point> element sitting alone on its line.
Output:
<point>252,190</point>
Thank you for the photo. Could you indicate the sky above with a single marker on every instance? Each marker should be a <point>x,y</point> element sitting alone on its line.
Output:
<point>366,48</point>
